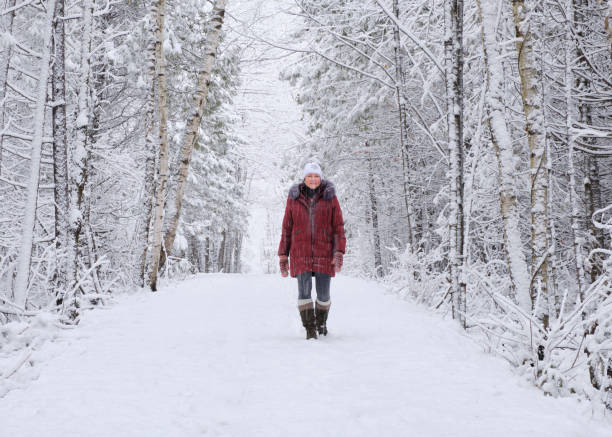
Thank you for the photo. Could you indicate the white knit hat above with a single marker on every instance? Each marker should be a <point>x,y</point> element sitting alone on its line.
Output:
<point>312,167</point>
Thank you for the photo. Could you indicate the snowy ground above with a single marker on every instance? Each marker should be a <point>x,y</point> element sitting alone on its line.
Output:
<point>224,355</point>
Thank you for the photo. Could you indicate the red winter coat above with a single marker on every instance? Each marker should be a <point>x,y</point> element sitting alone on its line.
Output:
<point>313,230</point>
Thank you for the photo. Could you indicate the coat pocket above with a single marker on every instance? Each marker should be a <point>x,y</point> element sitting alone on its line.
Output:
<point>327,235</point>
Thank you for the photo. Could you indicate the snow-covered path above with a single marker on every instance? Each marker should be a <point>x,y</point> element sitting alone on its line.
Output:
<point>224,355</point>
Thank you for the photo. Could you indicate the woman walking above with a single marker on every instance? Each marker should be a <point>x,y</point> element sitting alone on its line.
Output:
<point>313,240</point>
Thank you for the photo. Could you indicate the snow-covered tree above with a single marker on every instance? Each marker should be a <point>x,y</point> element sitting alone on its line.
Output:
<point>534,125</point>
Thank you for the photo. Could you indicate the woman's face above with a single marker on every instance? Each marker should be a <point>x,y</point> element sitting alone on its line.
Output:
<point>312,180</point>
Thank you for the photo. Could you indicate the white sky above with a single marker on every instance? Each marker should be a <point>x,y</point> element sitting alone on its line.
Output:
<point>271,119</point>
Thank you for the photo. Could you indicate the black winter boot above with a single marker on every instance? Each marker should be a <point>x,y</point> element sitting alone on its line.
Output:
<point>321,313</point>
<point>308,320</point>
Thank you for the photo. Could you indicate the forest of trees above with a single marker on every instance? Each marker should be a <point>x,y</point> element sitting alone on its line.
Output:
<point>470,141</point>
<point>116,144</point>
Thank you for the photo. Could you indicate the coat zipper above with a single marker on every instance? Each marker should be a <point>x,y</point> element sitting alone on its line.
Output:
<point>310,208</point>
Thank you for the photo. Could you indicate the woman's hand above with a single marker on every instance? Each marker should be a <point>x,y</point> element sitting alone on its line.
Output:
<point>284,265</point>
<point>337,261</point>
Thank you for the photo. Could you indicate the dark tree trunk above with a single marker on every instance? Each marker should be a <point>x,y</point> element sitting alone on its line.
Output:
<point>378,266</point>
<point>207,255</point>
<point>5,55</point>
<point>221,258</point>
<point>238,254</point>
<point>60,153</point>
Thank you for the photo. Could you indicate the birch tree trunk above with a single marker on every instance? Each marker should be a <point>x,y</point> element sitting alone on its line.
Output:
<point>533,107</point>
<point>144,233</point>
<point>193,123</point>
<point>502,141</point>
<point>453,49</point>
<point>162,176</point>
<point>27,233</point>
<point>577,240</point>
<point>151,151</point>
<point>400,89</point>
<point>60,155</point>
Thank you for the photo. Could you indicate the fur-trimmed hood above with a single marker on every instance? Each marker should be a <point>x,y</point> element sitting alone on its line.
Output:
<point>328,187</point>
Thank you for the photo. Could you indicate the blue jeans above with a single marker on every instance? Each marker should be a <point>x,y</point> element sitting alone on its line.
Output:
<point>322,284</point>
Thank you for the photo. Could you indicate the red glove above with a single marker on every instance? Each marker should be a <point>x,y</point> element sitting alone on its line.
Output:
<point>337,261</point>
<point>284,265</point>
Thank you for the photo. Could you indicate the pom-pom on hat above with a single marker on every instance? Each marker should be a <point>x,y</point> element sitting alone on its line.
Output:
<point>312,167</point>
